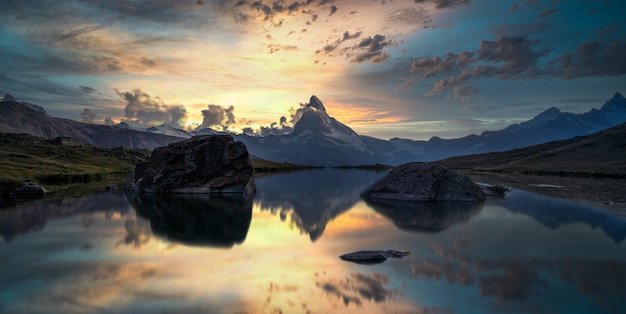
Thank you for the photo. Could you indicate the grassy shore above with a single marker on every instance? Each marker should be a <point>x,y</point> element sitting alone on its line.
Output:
<point>70,168</point>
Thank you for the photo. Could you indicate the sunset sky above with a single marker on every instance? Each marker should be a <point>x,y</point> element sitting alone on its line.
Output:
<point>386,68</point>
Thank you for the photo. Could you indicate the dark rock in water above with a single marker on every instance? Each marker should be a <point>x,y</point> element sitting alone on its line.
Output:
<point>428,217</point>
<point>200,220</point>
<point>28,190</point>
<point>372,257</point>
<point>201,164</point>
<point>424,182</point>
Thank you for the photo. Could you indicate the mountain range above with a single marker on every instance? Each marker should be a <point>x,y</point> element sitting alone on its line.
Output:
<point>320,140</point>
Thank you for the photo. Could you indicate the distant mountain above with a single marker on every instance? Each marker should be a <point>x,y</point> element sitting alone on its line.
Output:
<point>600,153</point>
<point>550,125</point>
<point>317,139</point>
<point>21,117</point>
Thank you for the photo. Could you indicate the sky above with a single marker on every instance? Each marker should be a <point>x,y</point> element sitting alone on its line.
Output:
<point>386,68</point>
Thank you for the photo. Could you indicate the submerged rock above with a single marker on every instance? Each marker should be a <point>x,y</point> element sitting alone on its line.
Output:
<point>424,182</point>
<point>370,257</point>
<point>201,164</point>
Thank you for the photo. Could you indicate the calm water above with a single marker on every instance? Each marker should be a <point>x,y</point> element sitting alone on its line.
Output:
<point>115,253</point>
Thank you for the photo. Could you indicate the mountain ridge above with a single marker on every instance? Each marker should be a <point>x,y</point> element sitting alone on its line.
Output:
<point>320,140</point>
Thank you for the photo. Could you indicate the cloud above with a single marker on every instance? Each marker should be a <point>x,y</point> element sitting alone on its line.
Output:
<point>444,4</point>
<point>216,115</point>
<point>141,108</point>
<point>506,57</point>
<point>88,115</point>
<point>370,49</point>
<point>591,59</point>
<point>87,89</point>
<point>548,12</point>
<point>109,121</point>
<point>333,10</point>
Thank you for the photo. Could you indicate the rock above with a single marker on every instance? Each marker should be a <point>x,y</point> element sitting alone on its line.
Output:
<point>424,182</point>
<point>201,164</point>
<point>372,257</point>
<point>28,190</point>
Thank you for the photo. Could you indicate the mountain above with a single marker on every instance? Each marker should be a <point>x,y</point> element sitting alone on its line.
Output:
<point>320,140</point>
<point>599,154</point>
<point>317,140</point>
<point>21,117</point>
<point>550,125</point>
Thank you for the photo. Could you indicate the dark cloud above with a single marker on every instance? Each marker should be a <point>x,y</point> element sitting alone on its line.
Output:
<point>591,59</point>
<point>333,9</point>
<point>507,57</point>
<point>444,4</point>
<point>329,48</point>
<point>370,49</point>
<point>88,115</point>
<point>87,89</point>
<point>548,12</point>
<point>514,8</point>
<point>141,108</point>
<point>216,115</point>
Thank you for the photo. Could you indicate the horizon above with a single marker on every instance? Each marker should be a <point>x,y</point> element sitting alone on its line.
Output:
<point>411,69</point>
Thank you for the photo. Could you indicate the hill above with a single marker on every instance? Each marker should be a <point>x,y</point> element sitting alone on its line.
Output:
<point>600,154</point>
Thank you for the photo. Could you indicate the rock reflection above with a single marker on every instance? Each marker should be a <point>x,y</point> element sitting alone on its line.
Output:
<point>203,220</point>
<point>425,216</point>
<point>312,198</point>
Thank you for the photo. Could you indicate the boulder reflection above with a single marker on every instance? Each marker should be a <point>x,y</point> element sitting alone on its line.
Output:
<point>200,220</point>
<point>425,216</point>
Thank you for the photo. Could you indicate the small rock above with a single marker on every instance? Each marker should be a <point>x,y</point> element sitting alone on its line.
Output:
<point>371,257</point>
<point>28,190</point>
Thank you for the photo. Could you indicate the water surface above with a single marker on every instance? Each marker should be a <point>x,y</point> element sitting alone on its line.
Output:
<point>116,253</point>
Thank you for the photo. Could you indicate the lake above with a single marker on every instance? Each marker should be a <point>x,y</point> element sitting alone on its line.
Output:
<point>278,253</point>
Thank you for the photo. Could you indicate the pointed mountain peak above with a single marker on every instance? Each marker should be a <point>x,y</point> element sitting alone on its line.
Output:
<point>8,97</point>
<point>618,102</point>
<point>549,114</point>
<point>316,103</point>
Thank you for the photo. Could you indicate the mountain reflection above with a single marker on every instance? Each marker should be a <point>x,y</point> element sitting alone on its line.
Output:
<point>425,216</point>
<point>202,220</point>
<point>563,212</point>
<point>312,198</point>
<point>32,217</point>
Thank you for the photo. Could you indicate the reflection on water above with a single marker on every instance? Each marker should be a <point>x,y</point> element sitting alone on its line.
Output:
<point>113,253</point>
<point>425,216</point>
<point>314,197</point>
<point>206,220</point>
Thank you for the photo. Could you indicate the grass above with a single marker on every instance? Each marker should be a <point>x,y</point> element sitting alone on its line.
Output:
<point>79,169</point>
<point>59,167</point>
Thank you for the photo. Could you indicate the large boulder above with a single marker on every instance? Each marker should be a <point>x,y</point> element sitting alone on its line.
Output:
<point>28,190</point>
<point>424,182</point>
<point>201,164</point>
